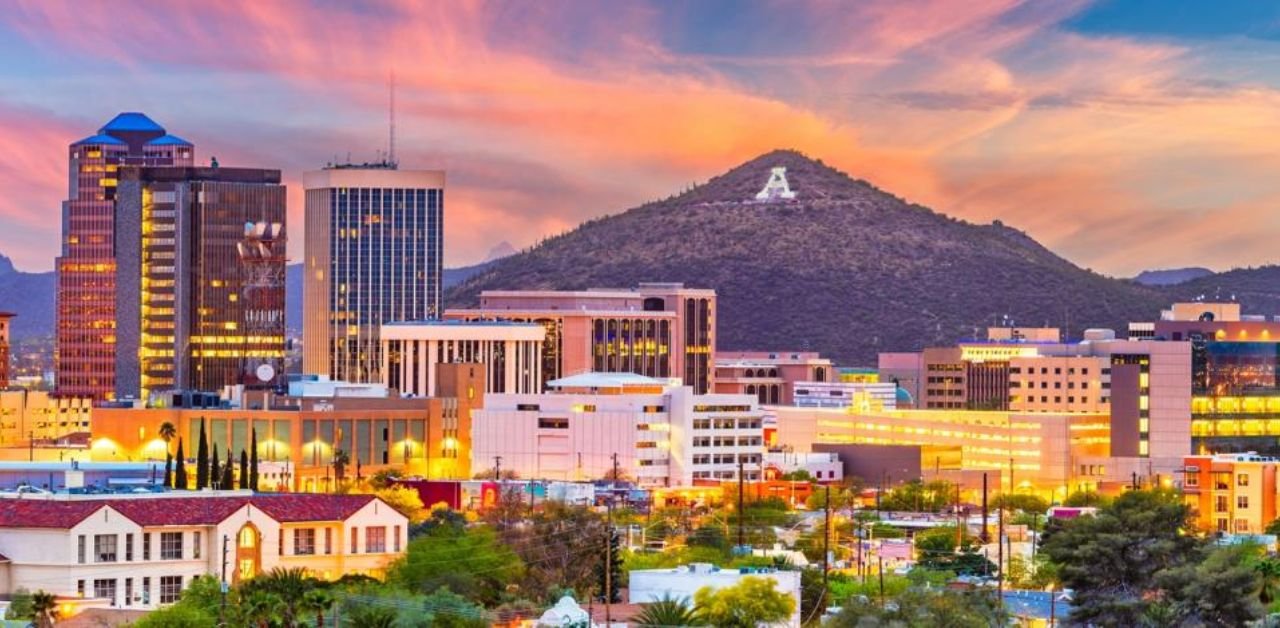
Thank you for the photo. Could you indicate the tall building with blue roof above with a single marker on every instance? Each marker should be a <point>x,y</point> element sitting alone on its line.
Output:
<point>86,267</point>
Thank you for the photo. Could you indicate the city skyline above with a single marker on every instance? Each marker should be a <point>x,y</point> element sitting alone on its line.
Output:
<point>1080,123</point>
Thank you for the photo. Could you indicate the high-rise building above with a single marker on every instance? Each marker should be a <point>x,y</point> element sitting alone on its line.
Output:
<point>661,330</point>
<point>373,255</point>
<point>86,269</point>
<point>199,278</point>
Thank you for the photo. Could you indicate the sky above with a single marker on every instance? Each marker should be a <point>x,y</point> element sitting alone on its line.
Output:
<point>1122,135</point>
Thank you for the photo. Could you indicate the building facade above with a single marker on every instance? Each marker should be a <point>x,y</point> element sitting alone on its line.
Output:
<point>142,551</point>
<point>430,436</point>
<point>660,330</point>
<point>770,376</point>
<point>510,353</point>
<point>373,255</point>
<point>5,353</point>
<point>200,257</point>
<point>661,435</point>
<point>86,318</point>
<point>1231,493</point>
<point>40,416</point>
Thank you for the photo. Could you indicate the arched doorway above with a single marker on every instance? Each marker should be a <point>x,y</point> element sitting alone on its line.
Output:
<point>248,553</point>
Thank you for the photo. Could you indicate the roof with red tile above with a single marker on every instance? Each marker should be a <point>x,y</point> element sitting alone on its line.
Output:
<point>180,511</point>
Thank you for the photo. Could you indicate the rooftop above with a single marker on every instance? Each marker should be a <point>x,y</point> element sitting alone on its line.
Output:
<point>131,121</point>
<point>169,140</point>
<point>606,380</point>
<point>101,138</point>
<point>178,509</point>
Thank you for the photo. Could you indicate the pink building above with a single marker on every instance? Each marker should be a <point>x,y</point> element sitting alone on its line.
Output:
<point>769,375</point>
<point>661,330</point>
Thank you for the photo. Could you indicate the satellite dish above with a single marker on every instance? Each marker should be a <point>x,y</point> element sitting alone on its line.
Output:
<point>265,372</point>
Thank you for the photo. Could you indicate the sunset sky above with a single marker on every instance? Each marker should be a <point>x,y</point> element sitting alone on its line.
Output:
<point>1123,136</point>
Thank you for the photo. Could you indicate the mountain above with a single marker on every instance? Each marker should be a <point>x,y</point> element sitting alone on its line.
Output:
<point>503,249</point>
<point>1257,289</point>
<point>844,268</point>
<point>29,295</point>
<point>1171,276</point>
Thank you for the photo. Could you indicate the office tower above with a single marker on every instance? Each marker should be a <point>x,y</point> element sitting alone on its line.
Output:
<point>86,268</point>
<point>374,241</point>
<point>199,279</point>
<point>662,330</point>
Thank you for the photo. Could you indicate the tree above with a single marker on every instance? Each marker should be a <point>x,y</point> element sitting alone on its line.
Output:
<point>177,616</point>
<point>44,608</point>
<point>471,562</point>
<point>253,459</point>
<point>709,535</point>
<point>20,606</point>
<point>340,461</point>
<point>168,470</point>
<point>799,475</point>
<point>666,612</point>
<point>167,433</point>
<point>1112,560</point>
<point>228,479</point>
<point>262,608</point>
<point>405,500</point>
<point>1220,590</point>
<point>754,600</point>
<point>921,607</point>
<point>202,459</point>
<point>382,478</point>
<point>918,496</point>
<point>446,609</point>
<point>287,585</point>
<point>215,472</point>
<point>244,469</point>
<point>371,616</point>
<point>610,587</point>
<point>1024,503</point>
<point>180,471</point>
<point>317,601</point>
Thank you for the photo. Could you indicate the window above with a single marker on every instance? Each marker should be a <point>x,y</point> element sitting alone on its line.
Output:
<point>355,540</point>
<point>396,534</point>
<point>170,588</point>
<point>80,588</point>
<point>1242,479</point>
<point>375,540</point>
<point>1192,479</point>
<point>280,543</point>
<point>128,553</point>
<point>1242,502</point>
<point>546,423</point>
<point>104,548</point>
<point>170,546</point>
<point>702,424</point>
<point>1220,503</point>
<point>128,591</point>
<point>146,546</point>
<point>146,590</point>
<point>80,549</point>
<point>195,545</point>
<point>328,540</point>
<point>105,588</point>
<point>304,541</point>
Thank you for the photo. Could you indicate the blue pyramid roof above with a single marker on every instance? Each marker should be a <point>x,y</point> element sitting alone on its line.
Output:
<point>100,138</point>
<point>169,140</point>
<point>131,121</point>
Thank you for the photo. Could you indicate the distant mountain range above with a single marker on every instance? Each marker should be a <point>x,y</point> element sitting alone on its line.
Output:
<point>844,268</point>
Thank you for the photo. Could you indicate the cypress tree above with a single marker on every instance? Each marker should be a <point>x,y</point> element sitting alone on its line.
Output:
<point>244,469</point>
<point>228,482</point>
<point>180,471</point>
<point>615,566</point>
<point>168,470</point>
<point>202,459</point>
<point>253,460</point>
<point>215,473</point>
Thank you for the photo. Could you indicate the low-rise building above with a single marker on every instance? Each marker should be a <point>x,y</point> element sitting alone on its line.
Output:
<point>510,352</point>
<point>142,551</point>
<point>652,585</point>
<point>842,394</point>
<point>37,415</point>
<point>659,434</point>
<point>771,376</point>
<point>1231,493</point>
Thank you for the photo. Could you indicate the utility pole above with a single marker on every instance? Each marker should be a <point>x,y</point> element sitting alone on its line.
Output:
<point>741,513</point>
<point>880,560</point>
<point>1000,549</point>
<point>497,468</point>
<point>959,521</point>
<point>826,539</point>
<point>608,555</point>
<point>985,535</point>
<point>222,611</point>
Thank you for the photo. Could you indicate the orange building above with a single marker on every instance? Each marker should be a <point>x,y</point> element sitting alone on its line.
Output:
<point>1231,493</point>
<point>426,436</point>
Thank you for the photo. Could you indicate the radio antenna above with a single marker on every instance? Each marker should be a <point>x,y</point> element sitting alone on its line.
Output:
<point>391,115</point>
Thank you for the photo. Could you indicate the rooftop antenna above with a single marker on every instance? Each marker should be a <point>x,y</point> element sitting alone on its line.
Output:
<point>391,114</point>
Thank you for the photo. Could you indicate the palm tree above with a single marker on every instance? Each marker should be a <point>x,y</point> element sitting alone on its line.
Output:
<point>289,586</point>
<point>1269,569</point>
<point>262,607</point>
<point>340,461</point>
<point>318,601</point>
<point>667,611</point>
<point>370,616</point>
<point>44,606</point>
<point>167,433</point>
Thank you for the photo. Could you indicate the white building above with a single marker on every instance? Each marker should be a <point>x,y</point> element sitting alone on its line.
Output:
<point>651,585</point>
<point>512,353</point>
<point>140,551</point>
<point>822,466</point>
<point>882,395</point>
<point>662,434</point>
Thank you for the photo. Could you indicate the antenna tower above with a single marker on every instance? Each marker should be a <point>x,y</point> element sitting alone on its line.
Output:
<point>391,131</point>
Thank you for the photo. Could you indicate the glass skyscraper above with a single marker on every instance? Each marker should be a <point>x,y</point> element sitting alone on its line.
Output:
<point>373,255</point>
<point>86,325</point>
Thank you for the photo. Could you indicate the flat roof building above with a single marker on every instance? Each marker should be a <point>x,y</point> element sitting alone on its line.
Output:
<point>510,353</point>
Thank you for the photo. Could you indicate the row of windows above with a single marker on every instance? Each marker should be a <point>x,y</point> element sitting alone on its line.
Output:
<point>727,441</point>
<point>106,588</point>
<point>375,541</point>
<point>725,424</point>
<point>726,459</point>
<point>106,547</point>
